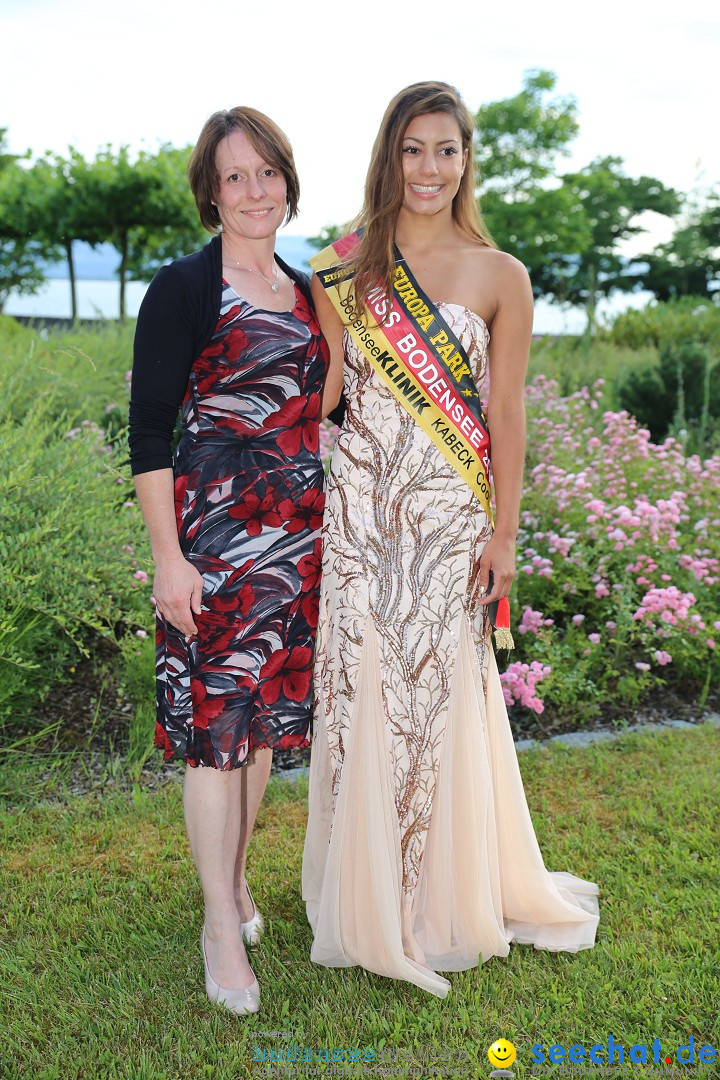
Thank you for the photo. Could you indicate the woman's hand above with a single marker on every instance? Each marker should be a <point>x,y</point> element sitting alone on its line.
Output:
<point>177,586</point>
<point>499,557</point>
<point>178,592</point>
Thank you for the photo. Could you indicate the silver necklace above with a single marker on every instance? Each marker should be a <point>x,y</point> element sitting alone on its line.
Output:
<point>274,285</point>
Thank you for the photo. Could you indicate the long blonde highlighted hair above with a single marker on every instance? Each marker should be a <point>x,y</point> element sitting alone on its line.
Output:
<point>374,261</point>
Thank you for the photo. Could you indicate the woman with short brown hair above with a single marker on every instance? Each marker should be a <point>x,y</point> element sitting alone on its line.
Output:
<point>268,140</point>
<point>228,336</point>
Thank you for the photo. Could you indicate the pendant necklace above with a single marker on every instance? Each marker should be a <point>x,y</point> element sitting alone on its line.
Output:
<point>274,285</point>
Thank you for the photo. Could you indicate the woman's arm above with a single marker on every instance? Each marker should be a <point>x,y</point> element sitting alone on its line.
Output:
<point>509,350</point>
<point>332,328</point>
<point>177,585</point>
<point>163,357</point>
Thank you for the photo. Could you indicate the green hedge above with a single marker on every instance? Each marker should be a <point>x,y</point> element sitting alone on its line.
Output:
<point>71,537</point>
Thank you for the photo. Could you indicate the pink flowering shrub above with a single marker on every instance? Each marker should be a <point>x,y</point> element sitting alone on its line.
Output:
<point>519,682</point>
<point>532,621</point>
<point>328,435</point>
<point>618,575</point>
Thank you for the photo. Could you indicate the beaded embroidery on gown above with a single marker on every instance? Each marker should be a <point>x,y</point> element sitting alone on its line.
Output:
<point>420,854</point>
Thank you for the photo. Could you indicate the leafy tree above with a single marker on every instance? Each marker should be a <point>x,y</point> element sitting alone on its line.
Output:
<point>567,232</point>
<point>548,231</point>
<point>612,202</point>
<point>6,159</point>
<point>143,207</point>
<point>519,139</point>
<point>53,189</point>
<point>328,235</point>
<point>685,266</point>
<point>150,245</point>
<point>140,207</point>
<point>20,252</point>
<point>113,196</point>
<point>529,214</point>
<point>709,223</point>
<point>689,264</point>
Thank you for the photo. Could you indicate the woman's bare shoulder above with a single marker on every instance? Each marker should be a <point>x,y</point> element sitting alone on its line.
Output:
<point>499,278</point>
<point>500,261</point>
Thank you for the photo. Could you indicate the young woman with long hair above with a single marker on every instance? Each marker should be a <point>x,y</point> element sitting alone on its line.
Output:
<point>420,853</point>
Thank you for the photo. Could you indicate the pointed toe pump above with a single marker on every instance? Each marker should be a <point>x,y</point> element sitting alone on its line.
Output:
<point>240,1002</point>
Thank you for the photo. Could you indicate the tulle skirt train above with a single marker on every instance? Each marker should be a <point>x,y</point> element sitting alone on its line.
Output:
<point>482,884</point>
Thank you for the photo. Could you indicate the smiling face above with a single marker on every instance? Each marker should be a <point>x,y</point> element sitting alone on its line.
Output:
<point>502,1053</point>
<point>251,198</point>
<point>433,161</point>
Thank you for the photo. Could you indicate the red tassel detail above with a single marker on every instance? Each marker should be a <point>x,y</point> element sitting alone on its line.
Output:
<point>503,637</point>
<point>502,619</point>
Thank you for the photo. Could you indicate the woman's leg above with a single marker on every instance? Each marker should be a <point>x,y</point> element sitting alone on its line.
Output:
<point>253,783</point>
<point>212,799</point>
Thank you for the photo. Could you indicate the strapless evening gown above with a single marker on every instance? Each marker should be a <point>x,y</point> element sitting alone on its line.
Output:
<point>420,853</point>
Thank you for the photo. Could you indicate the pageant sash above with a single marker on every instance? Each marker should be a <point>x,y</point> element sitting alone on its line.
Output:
<point>420,359</point>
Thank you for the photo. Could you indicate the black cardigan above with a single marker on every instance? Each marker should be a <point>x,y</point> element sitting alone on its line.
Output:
<point>175,324</point>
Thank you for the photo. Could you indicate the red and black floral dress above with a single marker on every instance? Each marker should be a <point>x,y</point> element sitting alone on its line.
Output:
<point>249,501</point>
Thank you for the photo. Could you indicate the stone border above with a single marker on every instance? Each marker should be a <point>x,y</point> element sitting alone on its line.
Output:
<point>587,738</point>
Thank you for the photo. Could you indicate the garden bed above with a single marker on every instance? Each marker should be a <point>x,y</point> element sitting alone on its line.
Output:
<point>616,602</point>
<point>88,716</point>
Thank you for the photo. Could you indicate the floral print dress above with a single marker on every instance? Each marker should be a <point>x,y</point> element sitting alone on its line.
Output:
<point>249,502</point>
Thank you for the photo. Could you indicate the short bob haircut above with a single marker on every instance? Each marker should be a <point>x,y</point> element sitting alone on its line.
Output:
<point>268,140</point>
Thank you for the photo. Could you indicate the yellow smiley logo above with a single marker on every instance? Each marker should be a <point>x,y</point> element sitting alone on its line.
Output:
<point>502,1053</point>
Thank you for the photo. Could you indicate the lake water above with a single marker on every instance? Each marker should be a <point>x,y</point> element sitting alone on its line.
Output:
<point>98,290</point>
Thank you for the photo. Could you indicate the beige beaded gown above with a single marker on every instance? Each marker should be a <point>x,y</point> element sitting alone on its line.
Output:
<point>420,854</point>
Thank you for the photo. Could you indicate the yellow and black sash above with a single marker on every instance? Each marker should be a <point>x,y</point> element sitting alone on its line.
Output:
<point>420,359</point>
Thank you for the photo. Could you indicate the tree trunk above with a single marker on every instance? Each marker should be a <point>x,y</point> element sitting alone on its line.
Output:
<point>705,414</point>
<point>591,306</point>
<point>123,273</point>
<point>67,244</point>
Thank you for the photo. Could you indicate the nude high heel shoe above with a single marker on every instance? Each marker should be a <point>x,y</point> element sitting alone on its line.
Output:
<point>240,1002</point>
<point>253,930</point>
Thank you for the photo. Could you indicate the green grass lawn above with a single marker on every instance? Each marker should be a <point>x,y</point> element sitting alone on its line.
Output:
<point>102,975</point>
